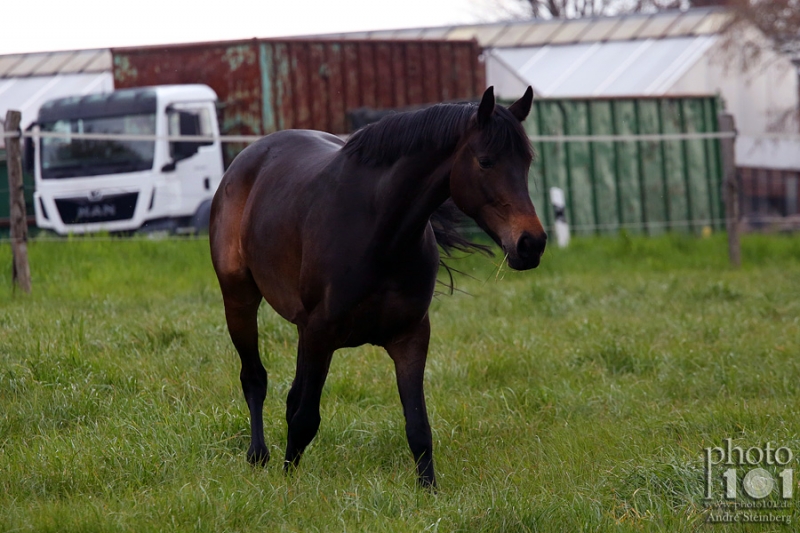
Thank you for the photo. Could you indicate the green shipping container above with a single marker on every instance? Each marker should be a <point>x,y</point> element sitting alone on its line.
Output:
<point>648,186</point>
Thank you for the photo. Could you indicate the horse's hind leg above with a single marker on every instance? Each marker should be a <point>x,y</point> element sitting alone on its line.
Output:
<point>302,404</point>
<point>241,297</point>
<point>409,353</point>
<point>241,313</point>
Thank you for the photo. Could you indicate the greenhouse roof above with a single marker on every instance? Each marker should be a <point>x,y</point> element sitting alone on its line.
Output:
<point>646,67</point>
<point>538,32</point>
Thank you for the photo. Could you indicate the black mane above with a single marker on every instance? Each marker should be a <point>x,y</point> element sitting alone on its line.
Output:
<point>436,128</point>
<point>394,136</point>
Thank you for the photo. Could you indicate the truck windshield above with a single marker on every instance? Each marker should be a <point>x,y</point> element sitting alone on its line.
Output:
<point>67,157</point>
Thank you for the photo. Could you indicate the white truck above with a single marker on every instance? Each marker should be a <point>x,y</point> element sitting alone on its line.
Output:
<point>86,185</point>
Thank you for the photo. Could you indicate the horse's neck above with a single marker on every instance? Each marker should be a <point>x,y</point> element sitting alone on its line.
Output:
<point>409,193</point>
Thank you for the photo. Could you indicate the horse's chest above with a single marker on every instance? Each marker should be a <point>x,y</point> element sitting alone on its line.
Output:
<point>372,299</point>
<point>384,314</point>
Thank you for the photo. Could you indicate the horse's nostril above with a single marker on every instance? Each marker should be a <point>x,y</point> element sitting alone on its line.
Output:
<point>525,246</point>
<point>529,246</point>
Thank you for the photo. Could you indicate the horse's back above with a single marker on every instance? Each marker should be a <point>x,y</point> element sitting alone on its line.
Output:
<point>270,168</point>
<point>282,157</point>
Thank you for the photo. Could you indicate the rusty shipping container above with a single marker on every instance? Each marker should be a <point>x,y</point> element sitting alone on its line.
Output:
<point>265,85</point>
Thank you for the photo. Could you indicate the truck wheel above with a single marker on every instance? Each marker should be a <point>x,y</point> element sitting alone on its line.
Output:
<point>201,218</point>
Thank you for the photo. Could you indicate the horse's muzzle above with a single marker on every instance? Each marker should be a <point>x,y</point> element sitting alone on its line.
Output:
<point>528,251</point>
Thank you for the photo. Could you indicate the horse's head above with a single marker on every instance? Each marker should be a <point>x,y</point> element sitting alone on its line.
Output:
<point>489,180</point>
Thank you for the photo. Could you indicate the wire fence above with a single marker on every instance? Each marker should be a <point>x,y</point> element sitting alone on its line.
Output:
<point>655,137</point>
<point>643,137</point>
<point>469,229</point>
<point>578,226</point>
<point>132,137</point>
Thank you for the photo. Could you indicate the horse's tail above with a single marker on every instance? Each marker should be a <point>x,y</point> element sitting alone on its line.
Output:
<point>445,221</point>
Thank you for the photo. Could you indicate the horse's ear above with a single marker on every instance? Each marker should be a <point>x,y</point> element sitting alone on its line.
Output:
<point>522,107</point>
<point>486,108</point>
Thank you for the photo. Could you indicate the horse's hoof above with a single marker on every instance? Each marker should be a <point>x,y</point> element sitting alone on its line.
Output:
<point>290,465</point>
<point>258,457</point>
<point>428,483</point>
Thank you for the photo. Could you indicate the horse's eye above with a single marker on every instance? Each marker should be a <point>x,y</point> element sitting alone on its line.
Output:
<point>486,162</point>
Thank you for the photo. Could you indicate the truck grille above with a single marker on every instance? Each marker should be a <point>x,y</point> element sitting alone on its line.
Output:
<point>86,211</point>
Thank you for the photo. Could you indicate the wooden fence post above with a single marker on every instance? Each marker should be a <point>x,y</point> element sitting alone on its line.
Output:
<point>19,221</point>
<point>730,188</point>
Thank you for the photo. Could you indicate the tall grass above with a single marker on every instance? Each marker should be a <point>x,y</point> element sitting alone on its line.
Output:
<point>578,397</point>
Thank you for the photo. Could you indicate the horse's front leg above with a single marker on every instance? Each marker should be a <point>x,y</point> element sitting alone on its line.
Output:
<point>302,404</point>
<point>409,353</point>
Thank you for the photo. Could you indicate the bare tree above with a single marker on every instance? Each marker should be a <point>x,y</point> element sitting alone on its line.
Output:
<point>778,25</point>
<point>778,20</point>
<point>556,9</point>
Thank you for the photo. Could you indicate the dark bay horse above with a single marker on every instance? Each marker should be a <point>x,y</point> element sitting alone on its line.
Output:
<point>337,238</point>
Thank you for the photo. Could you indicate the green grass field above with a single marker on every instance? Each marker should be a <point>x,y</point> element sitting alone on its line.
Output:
<point>577,397</point>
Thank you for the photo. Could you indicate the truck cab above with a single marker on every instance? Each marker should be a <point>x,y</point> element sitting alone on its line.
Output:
<point>145,180</point>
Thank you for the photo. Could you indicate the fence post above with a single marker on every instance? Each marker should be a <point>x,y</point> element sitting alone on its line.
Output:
<point>730,188</point>
<point>19,221</point>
